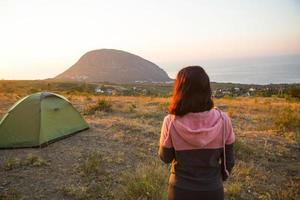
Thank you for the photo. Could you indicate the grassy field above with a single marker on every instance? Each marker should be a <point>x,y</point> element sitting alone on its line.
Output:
<point>117,157</point>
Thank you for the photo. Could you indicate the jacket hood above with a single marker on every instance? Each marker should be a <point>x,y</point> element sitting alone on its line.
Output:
<point>199,129</point>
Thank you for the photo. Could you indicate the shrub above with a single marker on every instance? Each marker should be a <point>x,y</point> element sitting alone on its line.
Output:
<point>233,190</point>
<point>88,98</point>
<point>91,164</point>
<point>104,105</point>
<point>11,163</point>
<point>34,161</point>
<point>148,181</point>
<point>242,150</point>
<point>131,108</point>
<point>101,105</point>
<point>294,92</point>
<point>92,190</point>
<point>30,160</point>
<point>286,120</point>
<point>76,192</point>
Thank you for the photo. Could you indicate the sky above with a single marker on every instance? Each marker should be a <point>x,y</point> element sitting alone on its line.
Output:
<point>42,38</point>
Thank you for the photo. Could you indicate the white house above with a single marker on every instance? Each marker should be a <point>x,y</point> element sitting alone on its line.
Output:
<point>99,90</point>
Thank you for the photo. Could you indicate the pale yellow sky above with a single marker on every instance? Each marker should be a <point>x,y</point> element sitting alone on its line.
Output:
<point>41,38</point>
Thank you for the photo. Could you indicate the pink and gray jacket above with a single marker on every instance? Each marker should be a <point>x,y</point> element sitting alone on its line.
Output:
<point>194,145</point>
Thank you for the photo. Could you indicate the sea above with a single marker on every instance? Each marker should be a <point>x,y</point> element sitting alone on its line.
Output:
<point>259,70</point>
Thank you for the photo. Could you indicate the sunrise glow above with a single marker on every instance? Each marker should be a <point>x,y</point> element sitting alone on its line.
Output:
<point>40,39</point>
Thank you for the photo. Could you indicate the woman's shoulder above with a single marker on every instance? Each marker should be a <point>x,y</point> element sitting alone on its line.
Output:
<point>168,118</point>
<point>222,113</point>
<point>217,112</point>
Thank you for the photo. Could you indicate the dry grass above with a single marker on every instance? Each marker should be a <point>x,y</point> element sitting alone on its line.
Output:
<point>83,192</point>
<point>289,190</point>
<point>148,181</point>
<point>91,165</point>
<point>116,152</point>
<point>101,105</point>
<point>29,160</point>
<point>11,194</point>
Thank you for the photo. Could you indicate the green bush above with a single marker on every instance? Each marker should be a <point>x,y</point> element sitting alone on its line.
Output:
<point>101,105</point>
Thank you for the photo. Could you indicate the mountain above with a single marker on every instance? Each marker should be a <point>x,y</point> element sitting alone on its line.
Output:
<point>115,66</point>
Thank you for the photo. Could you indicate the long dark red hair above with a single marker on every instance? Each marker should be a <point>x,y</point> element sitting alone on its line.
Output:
<point>192,92</point>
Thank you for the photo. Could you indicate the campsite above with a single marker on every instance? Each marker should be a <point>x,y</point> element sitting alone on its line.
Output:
<point>116,158</point>
<point>149,100</point>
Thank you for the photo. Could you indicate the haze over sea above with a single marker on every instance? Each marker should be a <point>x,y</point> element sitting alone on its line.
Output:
<point>261,70</point>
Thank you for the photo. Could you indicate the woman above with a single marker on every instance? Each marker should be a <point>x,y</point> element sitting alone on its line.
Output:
<point>193,137</point>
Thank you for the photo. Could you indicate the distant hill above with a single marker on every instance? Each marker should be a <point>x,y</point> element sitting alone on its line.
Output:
<point>115,66</point>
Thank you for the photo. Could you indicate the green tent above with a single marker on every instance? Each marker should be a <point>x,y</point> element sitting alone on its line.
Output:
<point>39,119</point>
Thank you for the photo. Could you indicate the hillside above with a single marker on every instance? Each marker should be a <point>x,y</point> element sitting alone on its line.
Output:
<point>115,66</point>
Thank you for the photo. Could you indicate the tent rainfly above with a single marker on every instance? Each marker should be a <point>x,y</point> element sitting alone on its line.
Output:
<point>39,119</point>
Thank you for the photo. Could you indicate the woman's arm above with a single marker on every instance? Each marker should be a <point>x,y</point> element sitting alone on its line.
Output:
<point>166,150</point>
<point>230,159</point>
<point>166,154</point>
<point>229,148</point>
